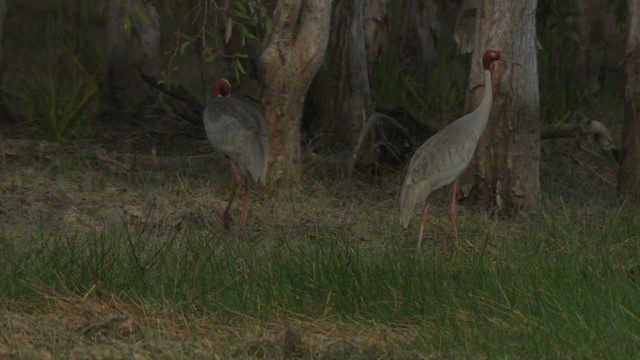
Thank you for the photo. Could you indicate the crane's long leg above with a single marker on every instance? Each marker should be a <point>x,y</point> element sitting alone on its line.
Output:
<point>237,179</point>
<point>454,213</point>
<point>245,201</point>
<point>244,208</point>
<point>423,219</point>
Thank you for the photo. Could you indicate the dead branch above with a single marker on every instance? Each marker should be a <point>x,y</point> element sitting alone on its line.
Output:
<point>133,162</point>
<point>591,170</point>
<point>191,109</point>
<point>26,147</point>
<point>375,117</point>
<point>583,128</point>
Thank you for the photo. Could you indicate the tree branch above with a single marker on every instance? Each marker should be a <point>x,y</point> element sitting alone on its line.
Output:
<point>194,110</point>
<point>131,162</point>
<point>584,127</point>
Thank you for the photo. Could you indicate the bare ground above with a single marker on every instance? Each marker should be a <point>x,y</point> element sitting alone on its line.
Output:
<point>77,329</point>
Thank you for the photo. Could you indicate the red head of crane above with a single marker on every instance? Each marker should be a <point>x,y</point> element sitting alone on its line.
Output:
<point>240,132</point>
<point>445,156</point>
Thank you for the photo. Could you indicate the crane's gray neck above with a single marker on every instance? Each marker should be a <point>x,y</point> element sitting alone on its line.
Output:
<point>478,119</point>
<point>485,105</point>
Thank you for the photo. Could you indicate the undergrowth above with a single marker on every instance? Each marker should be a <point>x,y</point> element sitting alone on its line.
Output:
<point>558,283</point>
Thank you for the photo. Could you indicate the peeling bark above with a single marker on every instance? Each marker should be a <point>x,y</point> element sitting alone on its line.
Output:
<point>629,177</point>
<point>505,172</point>
<point>132,48</point>
<point>349,68</point>
<point>421,30</point>
<point>292,54</point>
<point>340,99</point>
<point>6,114</point>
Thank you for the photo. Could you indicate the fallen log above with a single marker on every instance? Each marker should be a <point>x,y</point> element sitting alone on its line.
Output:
<point>133,162</point>
<point>583,128</point>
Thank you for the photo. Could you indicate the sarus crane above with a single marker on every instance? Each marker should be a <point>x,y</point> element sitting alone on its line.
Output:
<point>239,131</point>
<point>445,156</point>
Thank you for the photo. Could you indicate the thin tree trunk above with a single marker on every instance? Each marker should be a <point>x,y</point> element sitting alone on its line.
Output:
<point>292,55</point>
<point>133,40</point>
<point>629,177</point>
<point>505,171</point>
<point>376,31</point>
<point>352,96</point>
<point>421,30</point>
<point>340,98</point>
<point>6,114</point>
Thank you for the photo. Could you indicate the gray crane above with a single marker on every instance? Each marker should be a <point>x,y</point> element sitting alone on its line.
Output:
<point>445,156</point>
<point>240,132</point>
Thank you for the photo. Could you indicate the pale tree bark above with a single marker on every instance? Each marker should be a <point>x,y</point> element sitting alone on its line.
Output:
<point>291,57</point>
<point>629,177</point>
<point>505,171</point>
<point>6,114</point>
<point>349,69</point>
<point>133,40</point>
<point>595,27</point>
<point>427,34</point>
<point>340,98</point>
<point>376,31</point>
<point>421,30</point>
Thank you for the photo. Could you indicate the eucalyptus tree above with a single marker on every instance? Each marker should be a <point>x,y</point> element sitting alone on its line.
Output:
<point>292,53</point>
<point>133,41</point>
<point>6,114</point>
<point>629,177</point>
<point>505,172</point>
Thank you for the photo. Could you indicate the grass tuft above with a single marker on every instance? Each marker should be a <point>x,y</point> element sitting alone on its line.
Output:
<point>561,282</point>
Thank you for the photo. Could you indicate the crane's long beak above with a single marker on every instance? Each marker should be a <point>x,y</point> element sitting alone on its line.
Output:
<point>509,61</point>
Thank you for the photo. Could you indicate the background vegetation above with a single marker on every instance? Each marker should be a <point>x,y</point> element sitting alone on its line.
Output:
<point>105,263</point>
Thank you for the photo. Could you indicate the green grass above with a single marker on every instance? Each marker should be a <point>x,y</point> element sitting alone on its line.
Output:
<point>560,286</point>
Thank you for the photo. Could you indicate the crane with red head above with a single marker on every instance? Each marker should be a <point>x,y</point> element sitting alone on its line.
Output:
<point>445,156</point>
<point>238,131</point>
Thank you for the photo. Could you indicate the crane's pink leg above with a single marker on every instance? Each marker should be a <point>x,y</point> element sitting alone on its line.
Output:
<point>423,219</point>
<point>244,208</point>
<point>236,172</point>
<point>226,216</point>
<point>245,201</point>
<point>454,213</point>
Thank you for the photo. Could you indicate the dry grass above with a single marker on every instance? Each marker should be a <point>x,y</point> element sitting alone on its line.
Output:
<point>79,328</point>
<point>75,193</point>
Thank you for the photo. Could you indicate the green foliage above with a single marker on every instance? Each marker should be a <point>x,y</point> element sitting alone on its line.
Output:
<point>56,95</point>
<point>238,21</point>
<point>441,94</point>
<point>559,88</point>
<point>445,89</point>
<point>53,69</point>
<point>564,87</point>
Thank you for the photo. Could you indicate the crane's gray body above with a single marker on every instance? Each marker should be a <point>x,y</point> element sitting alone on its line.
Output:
<point>444,156</point>
<point>240,132</point>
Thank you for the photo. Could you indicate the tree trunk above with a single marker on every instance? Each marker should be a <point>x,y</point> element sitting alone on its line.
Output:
<point>6,114</point>
<point>421,30</point>
<point>629,177</point>
<point>340,100</point>
<point>376,31</point>
<point>291,57</point>
<point>348,59</point>
<point>133,39</point>
<point>505,171</point>
<point>595,27</point>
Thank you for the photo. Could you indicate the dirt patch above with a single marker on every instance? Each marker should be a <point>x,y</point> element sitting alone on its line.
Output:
<point>80,329</point>
<point>80,200</point>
